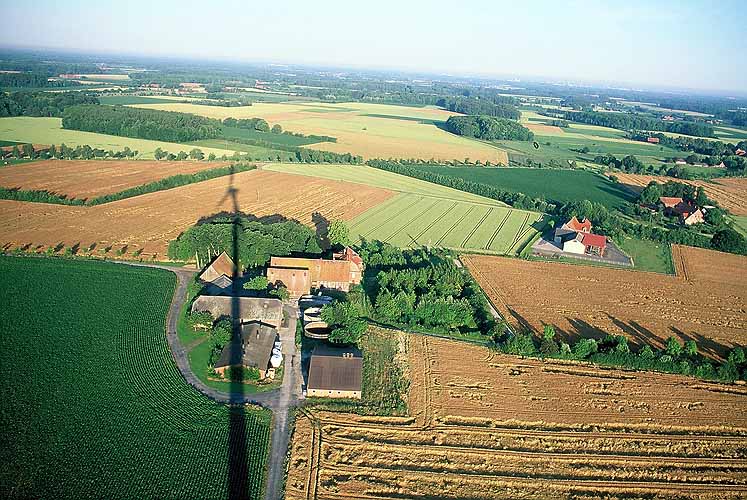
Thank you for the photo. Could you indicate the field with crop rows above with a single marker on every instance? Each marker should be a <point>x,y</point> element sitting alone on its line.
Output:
<point>412,220</point>
<point>729,193</point>
<point>148,222</point>
<point>93,403</point>
<point>560,185</point>
<point>369,130</point>
<point>706,301</point>
<point>91,178</point>
<point>485,425</point>
<point>49,131</point>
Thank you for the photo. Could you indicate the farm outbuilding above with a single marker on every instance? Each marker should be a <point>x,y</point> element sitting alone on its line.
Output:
<point>335,372</point>
<point>222,265</point>
<point>299,275</point>
<point>249,309</point>
<point>253,349</point>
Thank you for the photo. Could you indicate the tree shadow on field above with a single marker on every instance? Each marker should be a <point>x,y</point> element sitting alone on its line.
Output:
<point>321,225</point>
<point>706,346</point>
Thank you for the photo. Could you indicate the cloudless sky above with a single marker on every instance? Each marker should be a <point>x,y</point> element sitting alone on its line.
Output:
<point>676,44</point>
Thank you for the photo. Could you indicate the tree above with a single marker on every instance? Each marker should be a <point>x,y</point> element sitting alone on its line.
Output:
<point>211,157</point>
<point>674,348</point>
<point>691,348</point>
<point>277,129</point>
<point>200,320</point>
<point>714,216</point>
<point>651,193</point>
<point>196,154</point>
<point>259,283</point>
<point>338,233</point>
<point>222,332</point>
<point>548,332</point>
<point>350,333</point>
<point>159,154</point>
<point>28,150</point>
<point>181,156</point>
<point>344,318</point>
<point>584,348</point>
<point>728,240</point>
<point>280,292</point>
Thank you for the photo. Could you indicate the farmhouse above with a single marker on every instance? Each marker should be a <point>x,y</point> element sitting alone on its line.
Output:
<point>575,237</point>
<point>222,265</point>
<point>335,372</point>
<point>653,140</point>
<point>687,212</point>
<point>301,275</point>
<point>740,152</point>
<point>253,349</point>
<point>248,309</point>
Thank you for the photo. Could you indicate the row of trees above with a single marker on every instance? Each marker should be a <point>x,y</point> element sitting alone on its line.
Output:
<point>256,239</point>
<point>616,351</point>
<point>141,123</point>
<point>488,128</point>
<point>260,125</point>
<point>515,199</point>
<point>474,106</point>
<point>41,103</point>
<point>628,121</point>
<point>64,152</point>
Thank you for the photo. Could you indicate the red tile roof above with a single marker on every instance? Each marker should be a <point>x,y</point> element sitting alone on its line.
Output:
<point>594,240</point>
<point>576,225</point>
<point>670,201</point>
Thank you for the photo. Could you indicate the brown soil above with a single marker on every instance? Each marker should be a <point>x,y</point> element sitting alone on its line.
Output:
<point>150,221</point>
<point>730,193</point>
<point>705,302</point>
<point>486,425</point>
<point>91,178</point>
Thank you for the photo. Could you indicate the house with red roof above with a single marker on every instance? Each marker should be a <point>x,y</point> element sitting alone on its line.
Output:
<point>575,237</point>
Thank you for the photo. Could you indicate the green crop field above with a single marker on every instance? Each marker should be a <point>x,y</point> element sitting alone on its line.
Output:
<point>229,147</point>
<point>93,405</point>
<point>740,223</point>
<point>410,220</point>
<point>49,131</point>
<point>560,185</point>
<point>280,139</point>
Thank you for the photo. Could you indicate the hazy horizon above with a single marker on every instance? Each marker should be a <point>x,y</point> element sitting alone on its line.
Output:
<point>665,45</point>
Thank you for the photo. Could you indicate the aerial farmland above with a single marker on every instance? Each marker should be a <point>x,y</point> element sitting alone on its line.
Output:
<point>339,254</point>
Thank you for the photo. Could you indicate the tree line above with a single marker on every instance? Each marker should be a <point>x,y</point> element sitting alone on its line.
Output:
<point>513,198</point>
<point>627,121</point>
<point>473,106</point>
<point>41,104</point>
<point>140,123</point>
<point>488,128</point>
<point>64,152</point>
<point>43,196</point>
<point>616,351</point>
<point>261,125</point>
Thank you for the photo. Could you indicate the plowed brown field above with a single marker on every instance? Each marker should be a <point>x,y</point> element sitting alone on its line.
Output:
<point>706,301</point>
<point>491,426</point>
<point>150,221</point>
<point>86,179</point>
<point>730,193</point>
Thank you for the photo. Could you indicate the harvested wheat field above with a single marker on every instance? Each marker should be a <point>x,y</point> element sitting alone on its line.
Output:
<point>706,301</point>
<point>91,178</point>
<point>730,193</point>
<point>148,222</point>
<point>490,426</point>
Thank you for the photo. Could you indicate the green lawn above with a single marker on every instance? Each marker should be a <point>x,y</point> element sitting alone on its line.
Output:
<point>648,255</point>
<point>93,403</point>
<point>557,185</point>
<point>740,223</point>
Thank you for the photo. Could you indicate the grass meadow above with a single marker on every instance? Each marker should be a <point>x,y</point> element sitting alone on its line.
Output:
<point>49,131</point>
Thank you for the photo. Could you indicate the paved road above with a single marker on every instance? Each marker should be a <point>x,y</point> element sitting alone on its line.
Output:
<point>280,400</point>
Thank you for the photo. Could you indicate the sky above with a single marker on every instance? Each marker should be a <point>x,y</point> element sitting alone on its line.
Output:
<point>647,44</point>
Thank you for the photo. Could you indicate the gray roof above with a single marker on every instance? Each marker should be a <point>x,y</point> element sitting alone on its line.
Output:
<point>253,348</point>
<point>248,308</point>
<point>565,234</point>
<point>336,369</point>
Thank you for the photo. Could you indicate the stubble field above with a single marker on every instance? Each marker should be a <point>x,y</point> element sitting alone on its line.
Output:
<point>369,130</point>
<point>486,425</point>
<point>148,222</point>
<point>706,301</point>
<point>91,178</point>
<point>730,193</point>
